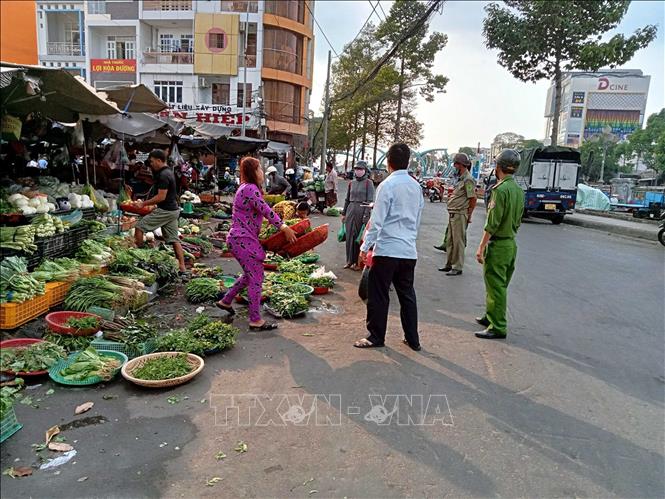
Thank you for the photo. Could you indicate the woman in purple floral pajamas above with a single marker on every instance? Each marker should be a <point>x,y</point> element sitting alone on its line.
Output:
<point>249,209</point>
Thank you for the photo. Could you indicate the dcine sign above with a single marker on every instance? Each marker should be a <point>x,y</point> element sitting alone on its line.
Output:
<point>604,84</point>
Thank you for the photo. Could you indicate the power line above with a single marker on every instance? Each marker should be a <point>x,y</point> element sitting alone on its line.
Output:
<point>381,7</point>
<point>386,57</point>
<point>375,6</point>
<point>363,26</point>
<point>321,29</point>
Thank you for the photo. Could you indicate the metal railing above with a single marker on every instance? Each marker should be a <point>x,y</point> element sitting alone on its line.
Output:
<point>63,48</point>
<point>168,58</point>
<point>169,5</point>
<point>96,7</point>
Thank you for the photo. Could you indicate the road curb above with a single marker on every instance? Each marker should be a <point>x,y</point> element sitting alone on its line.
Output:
<point>646,232</point>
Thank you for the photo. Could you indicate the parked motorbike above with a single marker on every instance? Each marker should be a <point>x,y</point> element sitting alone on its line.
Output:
<point>433,191</point>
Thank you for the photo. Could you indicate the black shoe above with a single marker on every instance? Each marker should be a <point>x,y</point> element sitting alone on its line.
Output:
<point>445,269</point>
<point>483,321</point>
<point>440,248</point>
<point>488,334</point>
<point>454,272</point>
<point>416,348</point>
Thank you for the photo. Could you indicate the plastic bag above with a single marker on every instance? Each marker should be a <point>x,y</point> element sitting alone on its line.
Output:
<point>341,233</point>
<point>361,234</point>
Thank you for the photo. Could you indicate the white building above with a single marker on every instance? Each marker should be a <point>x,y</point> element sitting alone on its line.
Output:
<point>593,101</point>
<point>192,54</point>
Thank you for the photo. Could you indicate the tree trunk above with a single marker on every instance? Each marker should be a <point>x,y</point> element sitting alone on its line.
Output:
<point>364,143</point>
<point>355,141</point>
<point>346,160</point>
<point>557,104</point>
<point>399,100</point>
<point>376,130</point>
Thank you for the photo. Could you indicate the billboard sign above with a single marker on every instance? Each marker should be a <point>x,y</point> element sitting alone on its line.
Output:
<point>622,123</point>
<point>230,116</point>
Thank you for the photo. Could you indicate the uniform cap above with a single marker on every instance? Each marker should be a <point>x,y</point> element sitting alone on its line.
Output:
<point>508,160</point>
<point>462,159</point>
<point>289,171</point>
<point>271,169</point>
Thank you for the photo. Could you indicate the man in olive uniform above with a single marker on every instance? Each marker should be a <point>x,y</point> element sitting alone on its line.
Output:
<point>497,249</point>
<point>460,207</point>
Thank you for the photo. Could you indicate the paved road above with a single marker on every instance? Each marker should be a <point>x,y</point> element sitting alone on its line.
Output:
<point>571,404</point>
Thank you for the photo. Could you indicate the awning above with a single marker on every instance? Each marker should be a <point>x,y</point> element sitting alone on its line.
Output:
<point>139,97</point>
<point>240,145</point>
<point>210,129</point>
<point>54,93</point>
<point>130,124</point>
<point>278,147</point>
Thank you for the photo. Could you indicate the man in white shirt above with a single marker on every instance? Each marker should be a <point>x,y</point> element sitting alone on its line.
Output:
<point>393,230</point>
<point>331,185</point>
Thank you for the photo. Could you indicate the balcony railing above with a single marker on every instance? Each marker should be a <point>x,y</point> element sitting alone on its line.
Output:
<point>96,7</point>
<point>63,48</point>
<point>168,58</point>
<point>169,5</point>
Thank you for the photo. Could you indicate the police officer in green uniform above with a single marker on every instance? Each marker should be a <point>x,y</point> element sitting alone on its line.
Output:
<point>461,203</point>
<point>497,249</point>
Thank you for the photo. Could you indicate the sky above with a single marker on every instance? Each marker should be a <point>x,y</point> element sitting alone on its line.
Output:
<point>482,99</point>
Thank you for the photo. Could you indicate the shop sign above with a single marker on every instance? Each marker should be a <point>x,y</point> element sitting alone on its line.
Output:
<point>113,65</point>
<point>218,114</point>
<point>11,127</point>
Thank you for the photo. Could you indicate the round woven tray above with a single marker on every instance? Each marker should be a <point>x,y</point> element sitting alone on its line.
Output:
<point>128,369</point>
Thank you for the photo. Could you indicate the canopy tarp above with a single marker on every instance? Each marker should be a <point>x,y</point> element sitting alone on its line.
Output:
<point>131,124</point>
<point>240,145</point>
<point>135,99</point>
<point>278,147</point>
<point>545,153</point>
<point>589,198</point>
<point>210,129</point>
<point>52,92</point>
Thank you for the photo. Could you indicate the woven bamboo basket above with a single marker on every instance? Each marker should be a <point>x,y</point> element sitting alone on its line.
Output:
<point>128,369</point>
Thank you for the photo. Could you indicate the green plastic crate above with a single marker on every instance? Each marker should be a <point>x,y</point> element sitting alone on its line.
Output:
<point>54,371</point>
<point>9,425</point>
<point>146,348</point>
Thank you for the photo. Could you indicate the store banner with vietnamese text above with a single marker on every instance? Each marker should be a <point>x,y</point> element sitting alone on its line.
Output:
<point>113,65</point>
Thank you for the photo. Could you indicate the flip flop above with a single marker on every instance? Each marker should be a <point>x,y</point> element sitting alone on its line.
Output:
<point>226,308</point>
<point>266,326</point>
<point>347,266</point>
<point>415,349</point>
<point>365,343</point>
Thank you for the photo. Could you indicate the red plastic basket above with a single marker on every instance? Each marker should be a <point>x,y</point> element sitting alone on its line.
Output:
<point>321,291</point>
<point>269,266</point>
<point>277,241</point>
<point>57,322</point>
<point>307,242</point>
<point>22,342</point>
<point>130,208</point>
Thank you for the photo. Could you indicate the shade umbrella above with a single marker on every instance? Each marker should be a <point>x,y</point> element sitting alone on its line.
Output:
<point>135,99</point>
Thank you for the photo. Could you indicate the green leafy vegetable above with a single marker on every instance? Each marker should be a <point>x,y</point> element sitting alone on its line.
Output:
<point>34,357</point>
<point>90,363</point>
<point>202,289</point>
<point>164,368</point>
<point>83,322</point>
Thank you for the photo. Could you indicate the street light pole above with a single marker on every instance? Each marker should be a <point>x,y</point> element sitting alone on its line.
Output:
<point>324,151</point>
<point>244,83</point>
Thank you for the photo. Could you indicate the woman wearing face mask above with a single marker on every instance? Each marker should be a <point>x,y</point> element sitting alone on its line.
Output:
<point>354,215</point>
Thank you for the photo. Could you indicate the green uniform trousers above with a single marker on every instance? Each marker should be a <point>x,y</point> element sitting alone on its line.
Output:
<point>456,240</point>
<point>498,270</point>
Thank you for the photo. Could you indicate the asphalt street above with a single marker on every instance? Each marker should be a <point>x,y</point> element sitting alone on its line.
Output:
<point>571,404</point>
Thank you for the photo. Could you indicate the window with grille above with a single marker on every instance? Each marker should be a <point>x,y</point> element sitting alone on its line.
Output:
<point>216,41</point>
<point>169,91</point>
<point>248,99</point>
<point>221,93</point>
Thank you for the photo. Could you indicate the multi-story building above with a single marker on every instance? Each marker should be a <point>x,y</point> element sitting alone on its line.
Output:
<point>212,61</point>
<point>593,101</point>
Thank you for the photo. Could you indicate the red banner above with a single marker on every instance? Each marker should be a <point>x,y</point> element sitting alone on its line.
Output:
<point>113,65</point>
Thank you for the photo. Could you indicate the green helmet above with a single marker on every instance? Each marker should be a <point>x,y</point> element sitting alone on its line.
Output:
<point>508,160</point>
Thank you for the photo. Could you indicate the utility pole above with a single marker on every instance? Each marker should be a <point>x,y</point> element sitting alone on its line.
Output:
<point>263,128</point>
<point>326,111</point>
<point>244,83</point>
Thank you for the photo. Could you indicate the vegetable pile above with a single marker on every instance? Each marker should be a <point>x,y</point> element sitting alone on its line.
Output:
<point>287,304</point>
<point>69,342</point>
<point>202,289</point>
<point>83,322</point>
<point>93,291</point>
<point>29,358</point>
<point>206,246</point>
<point>7,396</point>
<point>164,368</point>
<point>46,226</point>
<point>134,334</point>
<point>16,283</point>
<point>90,363</point>
<point>21,238</point>
<point>203,335</point>
<point>268,229</point>
<point>56,270</point>
<point>159,263</point>
<point>94,252</point>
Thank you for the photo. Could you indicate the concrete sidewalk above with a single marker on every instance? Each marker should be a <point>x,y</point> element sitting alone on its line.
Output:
<point>638,229</point>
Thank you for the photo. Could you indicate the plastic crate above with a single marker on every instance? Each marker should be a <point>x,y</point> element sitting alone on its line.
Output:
<point>13,315</point>
<point>9,425</point>
<point>56,292</point>
<point>75,236</point>
<point>131,353</point>
<point>88,213</point>
<point>31,260</point>
<point>55,246</point>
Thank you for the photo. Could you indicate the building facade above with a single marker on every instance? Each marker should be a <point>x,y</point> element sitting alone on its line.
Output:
<point>18,36</point>
<point>213,61</point>
<point>593,101</point>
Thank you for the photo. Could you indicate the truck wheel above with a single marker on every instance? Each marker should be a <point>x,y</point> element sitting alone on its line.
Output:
<point>557,219</point>
<point>661,236</point>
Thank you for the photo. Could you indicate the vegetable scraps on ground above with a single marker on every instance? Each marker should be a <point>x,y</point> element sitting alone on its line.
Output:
<point>164,367</point>
<point>29,358</point>
<point>90,363</point>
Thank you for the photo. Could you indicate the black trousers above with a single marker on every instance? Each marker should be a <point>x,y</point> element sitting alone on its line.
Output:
<point>398,271</point>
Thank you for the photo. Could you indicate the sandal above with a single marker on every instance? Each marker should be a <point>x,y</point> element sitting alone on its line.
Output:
<point>347,266</point>
<point>226,308</point>
<point>355,268</point>
<point>365,343</point>
<point>266,326</point>
<point>415,349</point>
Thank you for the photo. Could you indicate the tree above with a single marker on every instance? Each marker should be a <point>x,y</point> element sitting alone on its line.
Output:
<point>540,39</point>
<point>469,151</point>
<point>649,143</point>
<point>416,56</point>
<point>591,154</point>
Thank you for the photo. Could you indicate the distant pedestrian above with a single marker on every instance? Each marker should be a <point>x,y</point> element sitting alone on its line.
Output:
<point>393,230</point>
<point>461,204</point>
<point>331,185</point>
<point>356,212</point>
<point>497,250</point>
<point>277,184</point>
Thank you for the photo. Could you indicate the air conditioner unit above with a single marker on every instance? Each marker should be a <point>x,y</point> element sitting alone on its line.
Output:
<point>203,83</point>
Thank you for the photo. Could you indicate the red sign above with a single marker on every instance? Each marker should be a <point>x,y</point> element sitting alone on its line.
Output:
<point>113,65</point>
